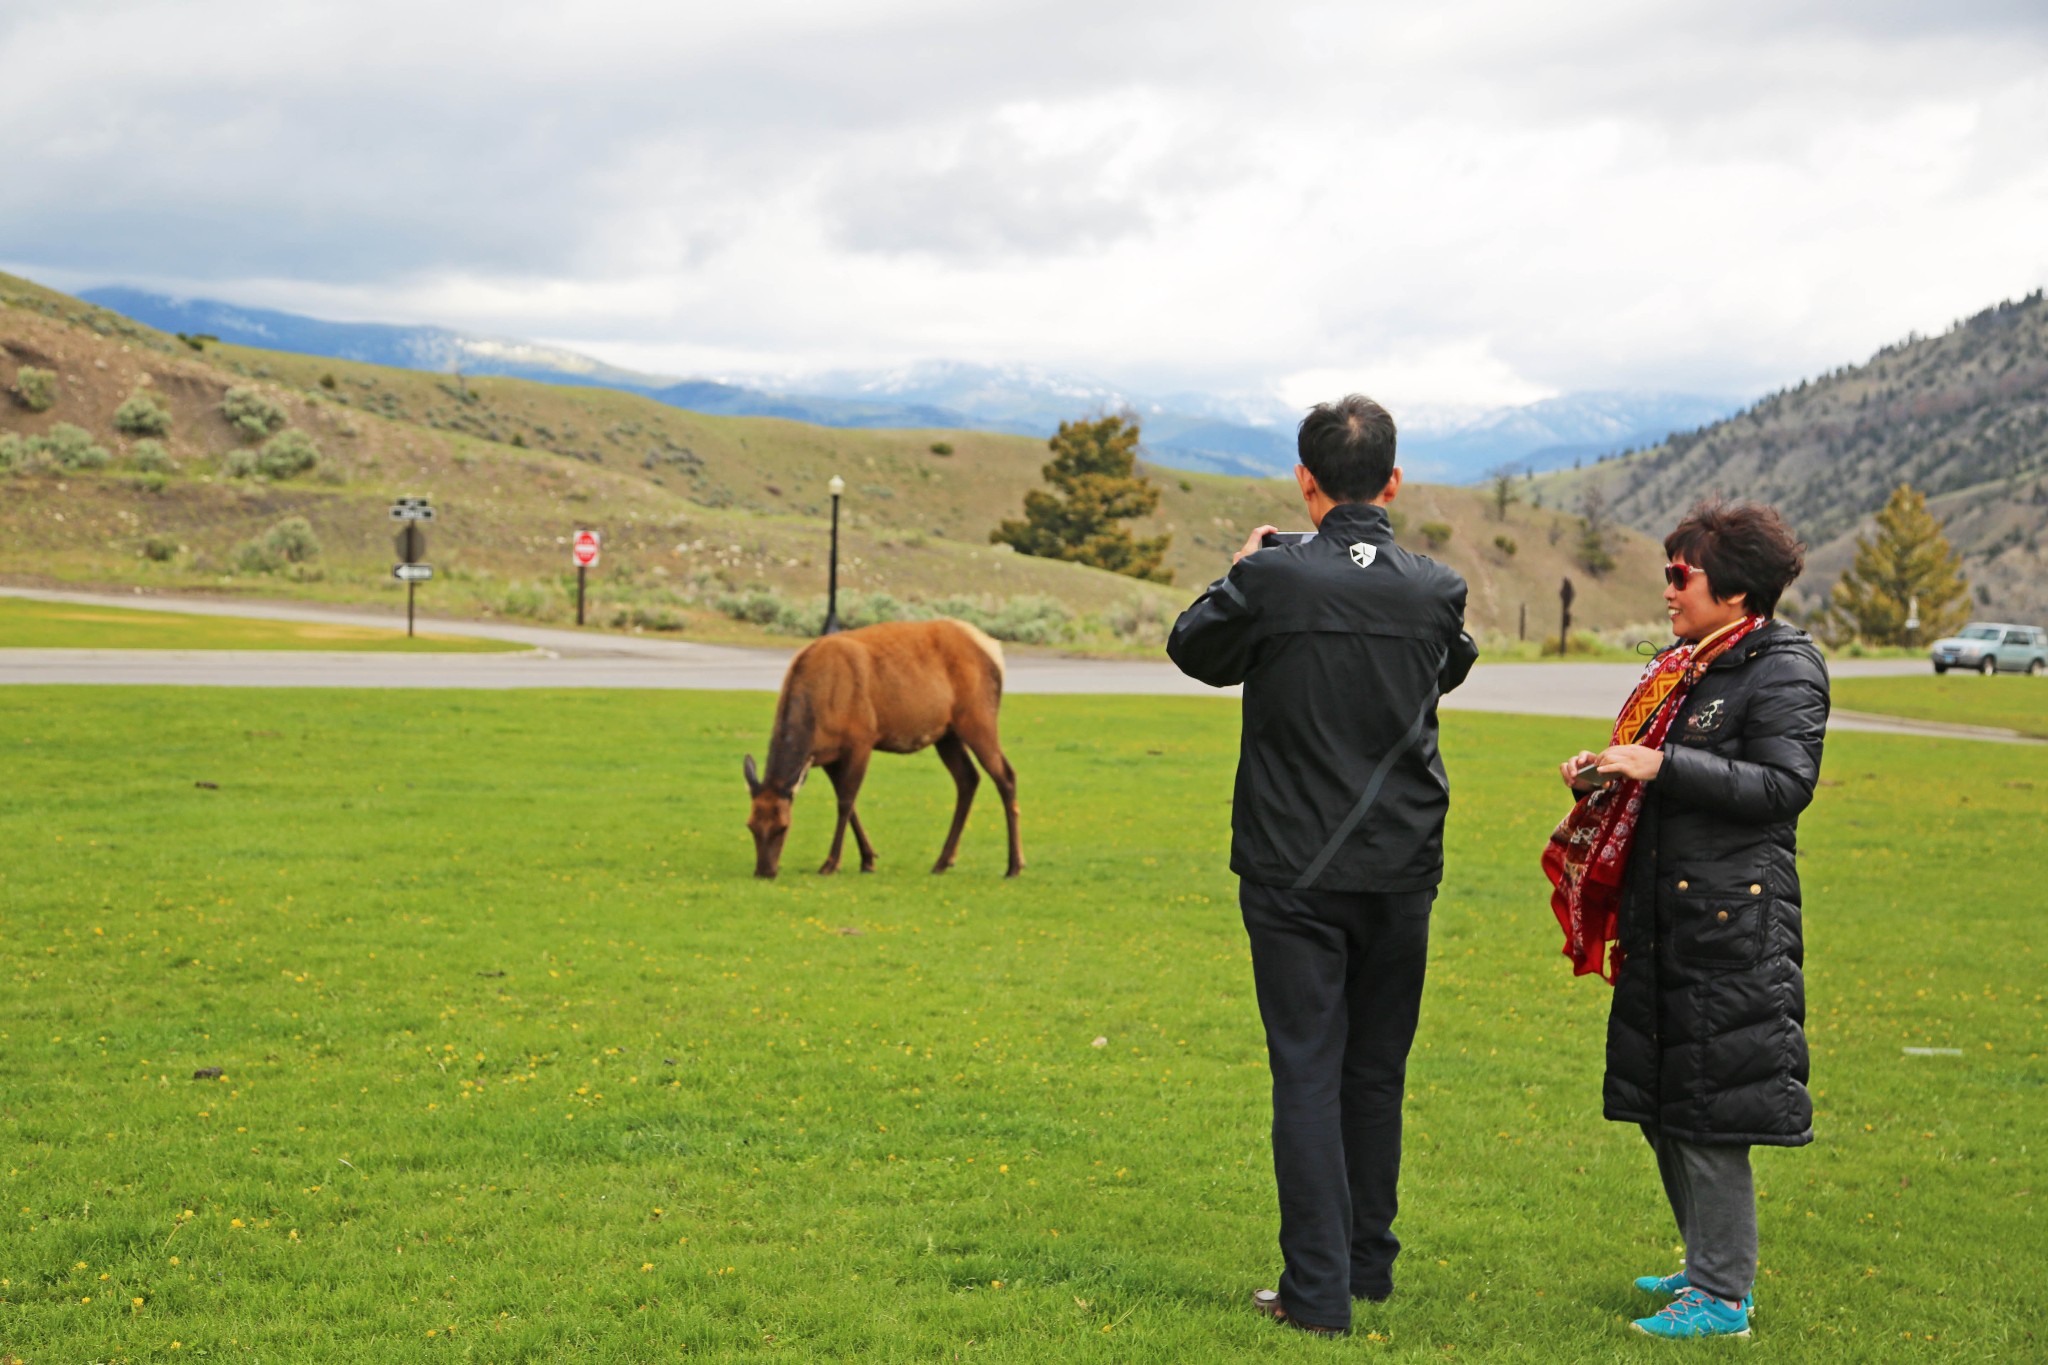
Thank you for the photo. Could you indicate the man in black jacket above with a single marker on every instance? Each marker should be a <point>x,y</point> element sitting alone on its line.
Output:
<point>1343,643</point>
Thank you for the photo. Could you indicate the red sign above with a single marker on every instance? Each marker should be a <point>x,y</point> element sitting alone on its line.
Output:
<point>583,549</point>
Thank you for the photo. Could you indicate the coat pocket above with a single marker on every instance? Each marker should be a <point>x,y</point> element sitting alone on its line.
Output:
<point>1719,929</point>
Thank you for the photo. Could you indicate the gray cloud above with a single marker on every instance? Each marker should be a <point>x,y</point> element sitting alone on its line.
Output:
<point>1687,195</point>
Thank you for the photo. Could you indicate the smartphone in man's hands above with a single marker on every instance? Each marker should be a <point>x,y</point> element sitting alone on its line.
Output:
<point>1590,774</point>
<point>1273,538</point>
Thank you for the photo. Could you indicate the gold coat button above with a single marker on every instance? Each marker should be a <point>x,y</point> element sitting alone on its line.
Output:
<point>1756,888</point>
<point>1685,886</point>
<point>1723,917</point>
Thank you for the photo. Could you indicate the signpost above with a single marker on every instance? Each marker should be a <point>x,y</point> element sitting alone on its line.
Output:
<point>583,551</point>
<point>411,544</point>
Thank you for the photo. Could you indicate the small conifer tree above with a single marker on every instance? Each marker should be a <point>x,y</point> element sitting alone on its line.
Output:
<point>1095,486</point>
<point>1906,563</point>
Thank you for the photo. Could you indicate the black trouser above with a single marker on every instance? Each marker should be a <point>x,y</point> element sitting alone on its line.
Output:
<point>1340,983</point>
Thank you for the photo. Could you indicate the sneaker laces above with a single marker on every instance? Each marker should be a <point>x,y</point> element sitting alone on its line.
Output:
<point>1675,1310</point>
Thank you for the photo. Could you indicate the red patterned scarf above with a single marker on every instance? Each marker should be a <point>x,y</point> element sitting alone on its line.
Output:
<point>1588,851</point>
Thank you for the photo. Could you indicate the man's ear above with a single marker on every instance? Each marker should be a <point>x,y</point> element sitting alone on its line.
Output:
<point>1306,481</point>
<point>1393,488</point>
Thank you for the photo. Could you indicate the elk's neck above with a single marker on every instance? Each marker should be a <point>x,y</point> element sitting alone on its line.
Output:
<point>789,750</point>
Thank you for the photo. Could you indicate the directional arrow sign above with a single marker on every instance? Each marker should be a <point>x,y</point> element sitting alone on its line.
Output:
<point>411,509</point>
<point>412,573</point>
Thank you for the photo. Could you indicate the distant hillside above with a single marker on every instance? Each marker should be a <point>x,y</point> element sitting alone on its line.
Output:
<point>1555,432</point>
<point>1963,416</point>
<point>692,506</point>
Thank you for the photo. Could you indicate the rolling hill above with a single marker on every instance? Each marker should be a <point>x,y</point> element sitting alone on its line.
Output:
<point>1962,416</point>
<point>696,509</point>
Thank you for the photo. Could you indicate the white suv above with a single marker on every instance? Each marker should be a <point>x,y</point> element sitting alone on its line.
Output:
<point>1993,647</point>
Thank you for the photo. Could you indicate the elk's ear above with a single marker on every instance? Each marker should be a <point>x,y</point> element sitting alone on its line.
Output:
<point>753,778</point>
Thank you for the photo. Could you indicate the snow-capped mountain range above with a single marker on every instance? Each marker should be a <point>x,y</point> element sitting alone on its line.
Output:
<point>1246,433</point>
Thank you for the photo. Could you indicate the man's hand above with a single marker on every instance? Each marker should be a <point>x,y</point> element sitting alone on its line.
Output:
<point>1634,761</point>
<point>1569,770</point>
<point>1251,542</point>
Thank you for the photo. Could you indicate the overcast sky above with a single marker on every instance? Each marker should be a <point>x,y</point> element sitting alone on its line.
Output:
<point>1465,201</point>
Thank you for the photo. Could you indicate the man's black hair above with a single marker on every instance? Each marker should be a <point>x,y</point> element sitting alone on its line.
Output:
<point>1744,547</point>
<point>1349,446</point>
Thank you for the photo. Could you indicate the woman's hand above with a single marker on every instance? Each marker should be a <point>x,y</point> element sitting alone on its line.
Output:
<point>1569,770</point>
<point>1251,542</point>
<point>1635,761</point>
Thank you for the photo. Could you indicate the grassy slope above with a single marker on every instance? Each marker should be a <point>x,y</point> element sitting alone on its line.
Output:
<point>1960,415</point>
<point>681,497</point>
<point>28,624</point>
<point>817,1118</point>
<point>2010,701</point>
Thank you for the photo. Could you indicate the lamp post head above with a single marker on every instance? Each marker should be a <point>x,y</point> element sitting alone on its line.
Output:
<point>837,486</point>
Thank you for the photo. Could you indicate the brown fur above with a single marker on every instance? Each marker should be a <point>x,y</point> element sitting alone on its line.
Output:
<point>898,687</point>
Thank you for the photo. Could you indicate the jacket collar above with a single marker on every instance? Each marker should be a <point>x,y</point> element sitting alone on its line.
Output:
<point>1358,521</point>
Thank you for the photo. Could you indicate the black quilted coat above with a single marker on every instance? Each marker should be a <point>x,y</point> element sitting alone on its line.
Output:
<point>1706,1038</point>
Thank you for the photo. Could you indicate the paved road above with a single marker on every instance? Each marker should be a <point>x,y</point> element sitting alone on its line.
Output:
<point>564,658</point>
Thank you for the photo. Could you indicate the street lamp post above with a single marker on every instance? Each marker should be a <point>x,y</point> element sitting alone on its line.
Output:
<point>837,486</point>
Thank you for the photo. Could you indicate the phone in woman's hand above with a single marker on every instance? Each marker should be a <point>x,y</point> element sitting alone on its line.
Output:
<point>1590,774</point>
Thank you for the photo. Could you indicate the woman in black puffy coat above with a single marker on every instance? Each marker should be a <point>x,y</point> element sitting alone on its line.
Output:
<point>1706,1045</point>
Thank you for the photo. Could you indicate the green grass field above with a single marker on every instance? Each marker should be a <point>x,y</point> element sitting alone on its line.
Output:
<point>518,1063</point>
<point>26,623</point>
<point>2011,701</point>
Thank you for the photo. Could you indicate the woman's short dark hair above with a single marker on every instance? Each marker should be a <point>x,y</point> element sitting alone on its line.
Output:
<point>1744,547</point>
<point>1349,446</point>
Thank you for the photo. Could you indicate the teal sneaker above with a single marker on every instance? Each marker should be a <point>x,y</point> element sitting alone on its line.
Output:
<point>1663,1284</point>
<point>1676,1283</point>
<point>1692,1315</point>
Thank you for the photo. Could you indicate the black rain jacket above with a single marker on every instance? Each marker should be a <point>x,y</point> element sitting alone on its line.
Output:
<point>1706,1036</point>
<point>1343,644</point>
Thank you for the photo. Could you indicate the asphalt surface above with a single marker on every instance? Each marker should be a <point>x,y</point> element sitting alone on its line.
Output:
<point>567,658</point>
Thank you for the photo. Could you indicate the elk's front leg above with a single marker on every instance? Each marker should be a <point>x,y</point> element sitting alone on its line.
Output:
<point>846,774</point>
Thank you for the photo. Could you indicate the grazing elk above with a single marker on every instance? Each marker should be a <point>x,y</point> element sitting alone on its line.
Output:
<point>896,687</point>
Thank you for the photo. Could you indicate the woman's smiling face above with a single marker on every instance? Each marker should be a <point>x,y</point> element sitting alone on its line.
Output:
<point>1694,610</point>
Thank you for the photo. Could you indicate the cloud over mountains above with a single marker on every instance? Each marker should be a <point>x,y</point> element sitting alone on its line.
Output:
<point>1478,201</point>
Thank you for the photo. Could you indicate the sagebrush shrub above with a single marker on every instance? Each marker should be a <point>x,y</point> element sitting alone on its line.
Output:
<point>287,455</point>
<point>150,457</point>
<point>251,413</point>
<point>35,389</point>
<point>239,464</point>
<point>142,415</point>
<point>74,448</point>
<point>290,542</point>
<point>160,549</point>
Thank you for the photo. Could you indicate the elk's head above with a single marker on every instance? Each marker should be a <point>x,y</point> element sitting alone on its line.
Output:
<point>768,821</point>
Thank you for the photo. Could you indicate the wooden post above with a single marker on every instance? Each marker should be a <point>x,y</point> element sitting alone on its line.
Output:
<point>582,572</point>
<point>409,586</point>
<point>1564,629</point>
<point>1522,628</point>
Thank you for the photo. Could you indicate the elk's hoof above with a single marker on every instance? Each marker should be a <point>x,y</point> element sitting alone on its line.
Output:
<point>867,867</point>
<point>1014,871</point>
<point>937,868</point>
<point>828,869</point>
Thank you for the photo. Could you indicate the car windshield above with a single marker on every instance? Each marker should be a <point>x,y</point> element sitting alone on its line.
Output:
<point>1981,632</point>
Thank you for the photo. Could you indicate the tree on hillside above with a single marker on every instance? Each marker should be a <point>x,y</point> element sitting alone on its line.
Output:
<point>1906,563</point>
<point>1095,486</point>
<point>1593,553</point>
<point>1505,494</point>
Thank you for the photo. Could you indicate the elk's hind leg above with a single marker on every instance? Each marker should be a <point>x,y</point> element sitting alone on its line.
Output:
<point>847,774</point>
<point>954,755</point>
<point>981,738</point>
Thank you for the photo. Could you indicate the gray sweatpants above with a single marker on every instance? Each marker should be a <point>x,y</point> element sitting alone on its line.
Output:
<point>1713,1197</point>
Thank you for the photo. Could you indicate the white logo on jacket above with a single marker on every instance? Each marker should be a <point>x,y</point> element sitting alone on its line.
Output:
<point>1363,554</point>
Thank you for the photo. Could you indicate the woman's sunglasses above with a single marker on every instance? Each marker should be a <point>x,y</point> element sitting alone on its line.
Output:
<point>1678,575</point>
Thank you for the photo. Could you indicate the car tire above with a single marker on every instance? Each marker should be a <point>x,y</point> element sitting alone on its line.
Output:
<point>1941,668</point>
<point>1989,666</point>
<point>2037,668</point>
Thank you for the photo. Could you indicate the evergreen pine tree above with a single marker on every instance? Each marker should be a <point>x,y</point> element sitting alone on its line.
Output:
<point>1907,562</point>
<point>1095,485</point>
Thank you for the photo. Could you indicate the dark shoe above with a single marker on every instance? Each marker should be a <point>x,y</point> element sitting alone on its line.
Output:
<point>1379,1293</point>
<point>1267,1301</point>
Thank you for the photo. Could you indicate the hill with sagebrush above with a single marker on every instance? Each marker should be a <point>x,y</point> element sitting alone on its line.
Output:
<point>1962,416</point>
<point>713,525</point>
